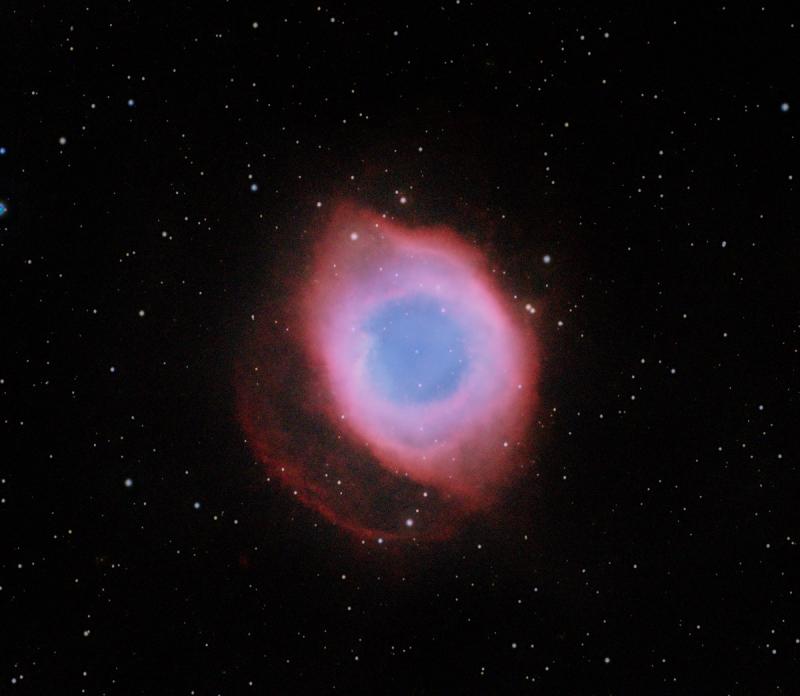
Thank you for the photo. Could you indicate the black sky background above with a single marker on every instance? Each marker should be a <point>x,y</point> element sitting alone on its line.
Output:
<point>653,543</point>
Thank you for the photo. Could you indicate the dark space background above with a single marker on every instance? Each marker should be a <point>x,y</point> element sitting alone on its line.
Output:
<point>649,151</point>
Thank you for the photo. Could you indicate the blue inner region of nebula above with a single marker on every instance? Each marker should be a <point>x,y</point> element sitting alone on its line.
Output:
<point>417,354</point>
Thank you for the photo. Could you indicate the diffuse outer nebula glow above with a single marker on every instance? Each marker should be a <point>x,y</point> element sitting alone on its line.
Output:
<point>393,393</point>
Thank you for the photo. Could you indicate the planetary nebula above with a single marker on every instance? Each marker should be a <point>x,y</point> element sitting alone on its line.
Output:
<point>393,390</point>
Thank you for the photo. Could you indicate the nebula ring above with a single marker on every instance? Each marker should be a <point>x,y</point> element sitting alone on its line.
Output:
<point>409,369</point>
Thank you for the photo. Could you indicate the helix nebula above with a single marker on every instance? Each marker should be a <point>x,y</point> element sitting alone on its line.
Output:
<point>392,390</point>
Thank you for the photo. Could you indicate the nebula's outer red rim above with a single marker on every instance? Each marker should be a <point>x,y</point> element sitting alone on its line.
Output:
<point>319,430</point>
